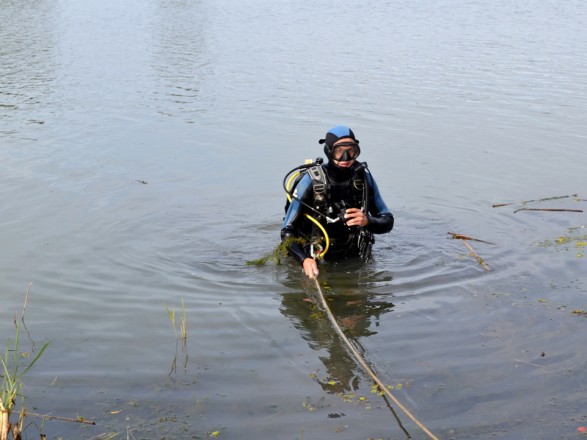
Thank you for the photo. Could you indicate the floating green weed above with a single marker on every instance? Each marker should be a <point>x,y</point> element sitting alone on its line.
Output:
<point>574,239</point>
<point>278,253</point>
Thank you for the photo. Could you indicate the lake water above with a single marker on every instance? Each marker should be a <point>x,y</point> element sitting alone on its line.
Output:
<point>142,150</point>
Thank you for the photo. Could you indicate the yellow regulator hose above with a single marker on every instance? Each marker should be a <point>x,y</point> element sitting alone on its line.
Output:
<point>312,219</point>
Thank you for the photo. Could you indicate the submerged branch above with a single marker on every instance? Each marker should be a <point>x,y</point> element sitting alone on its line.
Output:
<point>477,257</point>
<point>532,201</point>
<point>63,419</point>
<point>530,363</point>
<point>548,210</point>
<point>466,237</point>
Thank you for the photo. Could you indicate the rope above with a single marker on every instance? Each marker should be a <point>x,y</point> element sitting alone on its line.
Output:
<point>363,364</point>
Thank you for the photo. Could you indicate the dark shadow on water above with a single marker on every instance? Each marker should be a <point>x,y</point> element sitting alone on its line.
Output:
<point>357,310</point>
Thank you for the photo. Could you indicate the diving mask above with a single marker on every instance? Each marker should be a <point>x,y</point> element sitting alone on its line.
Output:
<point>345,151</point>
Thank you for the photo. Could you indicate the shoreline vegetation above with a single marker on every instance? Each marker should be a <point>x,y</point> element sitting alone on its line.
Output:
<point>15,365</point>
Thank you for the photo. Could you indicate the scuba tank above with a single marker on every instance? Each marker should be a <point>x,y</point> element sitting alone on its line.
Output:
<point>291,180</point>
<point>293,177</point>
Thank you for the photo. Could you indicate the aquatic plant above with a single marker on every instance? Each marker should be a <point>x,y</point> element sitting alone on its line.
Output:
<point>278,253</point>
<point>575,235</point>
<point>182,323</point>
<point>182,334</point>
<point>12,372</point>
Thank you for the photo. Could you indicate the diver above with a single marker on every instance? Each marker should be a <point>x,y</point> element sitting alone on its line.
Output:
<point>333,209</point>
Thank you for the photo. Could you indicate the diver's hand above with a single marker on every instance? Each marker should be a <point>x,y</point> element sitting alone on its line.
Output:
<point>356,217</point>
<point>310,267</point>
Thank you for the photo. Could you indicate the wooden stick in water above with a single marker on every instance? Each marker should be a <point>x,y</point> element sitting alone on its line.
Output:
<point>477,257</point>
<point>548,209</point>
<point>531,201</point>
<point>63,419</point>
<point>466,237</point>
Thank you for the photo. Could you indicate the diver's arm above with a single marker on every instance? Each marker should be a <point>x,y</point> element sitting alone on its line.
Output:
<point>307,262</point>
<point>294,248</point>
<point>380,224</point>
<point>380,219</point>
<point>294,217</point>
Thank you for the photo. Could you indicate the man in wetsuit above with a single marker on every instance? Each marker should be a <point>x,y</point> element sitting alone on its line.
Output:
<point>343,196</point>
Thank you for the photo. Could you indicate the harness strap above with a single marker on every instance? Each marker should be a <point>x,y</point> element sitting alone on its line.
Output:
<point>319,184</point>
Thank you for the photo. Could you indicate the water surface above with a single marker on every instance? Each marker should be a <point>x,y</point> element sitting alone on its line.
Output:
<point>142,148</point>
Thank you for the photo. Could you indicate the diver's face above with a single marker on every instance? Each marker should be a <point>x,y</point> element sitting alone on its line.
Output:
<point>344,152</point>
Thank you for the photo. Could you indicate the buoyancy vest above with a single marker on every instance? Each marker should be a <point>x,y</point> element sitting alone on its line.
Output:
<point>331,198</point>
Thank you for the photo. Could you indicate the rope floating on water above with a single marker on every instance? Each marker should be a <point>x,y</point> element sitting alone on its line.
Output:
<point>359,359</point>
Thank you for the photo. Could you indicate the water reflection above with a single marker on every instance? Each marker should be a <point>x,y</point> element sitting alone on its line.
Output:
<point>179,60</point>
<point>27,63</point>
<point>357,310</point>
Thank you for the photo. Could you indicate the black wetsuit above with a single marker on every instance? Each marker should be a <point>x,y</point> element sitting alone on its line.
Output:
<point>345,189</point>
